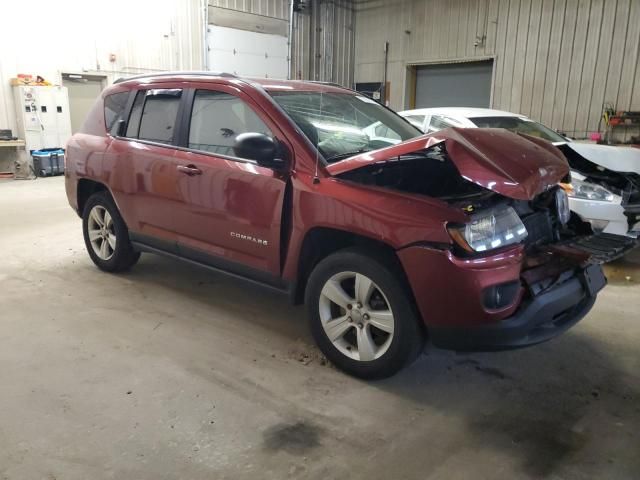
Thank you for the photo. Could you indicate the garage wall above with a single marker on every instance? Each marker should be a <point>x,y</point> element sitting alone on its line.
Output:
<point>323,41</point>
<point>79,36</point>
<point>246,43</point>
<point>323,35</point>
<point>155,36</point>
<point>268,8</point>
<point>557,61</point>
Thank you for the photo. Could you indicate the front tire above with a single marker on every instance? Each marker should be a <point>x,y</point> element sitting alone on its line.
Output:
<point>362,315</point>
<point>106,235</point>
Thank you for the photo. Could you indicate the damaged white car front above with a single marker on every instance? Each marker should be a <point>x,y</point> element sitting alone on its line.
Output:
<point>605,186</point>
<point>605,189</point>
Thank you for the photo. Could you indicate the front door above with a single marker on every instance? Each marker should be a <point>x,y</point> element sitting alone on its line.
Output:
<point>232,210</point>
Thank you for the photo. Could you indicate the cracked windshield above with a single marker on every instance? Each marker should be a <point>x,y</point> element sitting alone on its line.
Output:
<point>341,125</point>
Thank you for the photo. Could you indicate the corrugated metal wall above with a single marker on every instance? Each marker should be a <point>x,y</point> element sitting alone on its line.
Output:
<point>159,35</point>
<point>268,8</point>
<point>557,61</point>
<point>323,42</point>
<point>323,35</point>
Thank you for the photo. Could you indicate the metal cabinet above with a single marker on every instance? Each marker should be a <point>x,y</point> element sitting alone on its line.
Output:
<point>43,116</point>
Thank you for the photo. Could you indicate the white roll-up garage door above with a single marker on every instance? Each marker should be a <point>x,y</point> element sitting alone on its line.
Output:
<point>247,54</point>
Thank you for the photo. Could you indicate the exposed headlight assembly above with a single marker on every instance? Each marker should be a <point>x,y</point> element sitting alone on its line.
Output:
<point>589,191</point>
<point>490,229</point>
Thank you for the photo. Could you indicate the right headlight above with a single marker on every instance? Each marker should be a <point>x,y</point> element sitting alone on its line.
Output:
<point>589,191</point>
<point>491,229</point>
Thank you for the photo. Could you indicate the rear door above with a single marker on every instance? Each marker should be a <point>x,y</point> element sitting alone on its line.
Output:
<point>146,172</point>
<point>231,210</point>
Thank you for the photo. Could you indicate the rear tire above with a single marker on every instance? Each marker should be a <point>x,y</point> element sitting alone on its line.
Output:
<point>362,315</point>
<point>106,235</point>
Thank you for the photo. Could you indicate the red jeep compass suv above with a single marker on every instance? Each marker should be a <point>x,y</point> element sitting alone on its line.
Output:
<point>464,236</point>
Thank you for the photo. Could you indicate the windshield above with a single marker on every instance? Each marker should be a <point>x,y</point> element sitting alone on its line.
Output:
<point>341,125</point>
<point>519,125</point>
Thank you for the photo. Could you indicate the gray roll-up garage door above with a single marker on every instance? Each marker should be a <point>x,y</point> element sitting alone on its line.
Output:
<point>454,85</point>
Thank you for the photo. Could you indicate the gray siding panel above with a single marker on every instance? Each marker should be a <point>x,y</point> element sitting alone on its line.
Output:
<point>323,35</point>
<point>521,54</point>
<point>542,57</point>
<point>602,65</point>
<point>577,64</point>
<point>323,42</point>
<point>531,57</point>
<point>616,56</point>
<point>553,62</point>
<point>566,52</point>
<point>586,85</point>
<point>500,46</point>
<point>628,78</point>
<point>557,61</point>
<point>509,57</point>
<point>491,27</point>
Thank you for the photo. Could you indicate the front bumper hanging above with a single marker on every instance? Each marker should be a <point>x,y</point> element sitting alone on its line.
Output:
<point>598,248</point>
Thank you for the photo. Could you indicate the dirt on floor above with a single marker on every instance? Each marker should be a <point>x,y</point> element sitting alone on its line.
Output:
<point>170,371</point>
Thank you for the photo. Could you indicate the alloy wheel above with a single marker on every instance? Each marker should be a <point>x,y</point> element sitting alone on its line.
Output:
<point>356,316</point>
<point>101,232</point>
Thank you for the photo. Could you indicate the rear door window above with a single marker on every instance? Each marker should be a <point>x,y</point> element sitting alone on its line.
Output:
<point>153,115</point>
<point>217,118</point>
<point>159,115</point>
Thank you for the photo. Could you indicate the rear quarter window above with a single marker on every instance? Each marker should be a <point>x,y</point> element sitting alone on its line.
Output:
<point>114,110</point>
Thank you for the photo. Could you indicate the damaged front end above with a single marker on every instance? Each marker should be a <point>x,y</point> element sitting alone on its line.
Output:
<point>513,185</point>
<point>522,268</point>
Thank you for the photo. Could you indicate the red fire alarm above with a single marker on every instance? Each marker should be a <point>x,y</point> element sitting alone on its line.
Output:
<point>112,57</point>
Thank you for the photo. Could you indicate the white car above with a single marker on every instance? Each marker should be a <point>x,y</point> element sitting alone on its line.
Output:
<point>605,179</point>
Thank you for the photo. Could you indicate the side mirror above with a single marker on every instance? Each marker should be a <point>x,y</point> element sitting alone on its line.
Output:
<point>261,148</point>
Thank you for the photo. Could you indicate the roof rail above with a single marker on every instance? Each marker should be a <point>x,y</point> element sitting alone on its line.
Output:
<point>333,84</point>
<point>173,74</point>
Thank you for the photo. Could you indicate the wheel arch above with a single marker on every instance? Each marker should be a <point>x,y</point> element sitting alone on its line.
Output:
<point>86,188</point>
<point>320,242</point>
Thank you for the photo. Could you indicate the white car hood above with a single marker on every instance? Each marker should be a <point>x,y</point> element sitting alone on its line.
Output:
<point>618,159</point>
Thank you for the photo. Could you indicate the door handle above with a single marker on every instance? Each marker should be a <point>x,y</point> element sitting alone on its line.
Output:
<point>190,170</point>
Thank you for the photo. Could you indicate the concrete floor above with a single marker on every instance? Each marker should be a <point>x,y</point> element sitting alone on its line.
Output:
<point>171,371</point>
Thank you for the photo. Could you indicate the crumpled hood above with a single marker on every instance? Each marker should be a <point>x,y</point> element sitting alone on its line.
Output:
<point>513,165</point>
<point>617,159</point>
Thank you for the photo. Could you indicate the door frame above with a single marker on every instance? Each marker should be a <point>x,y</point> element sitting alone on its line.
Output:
<point>73,76</point>
<point>411,71</point>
